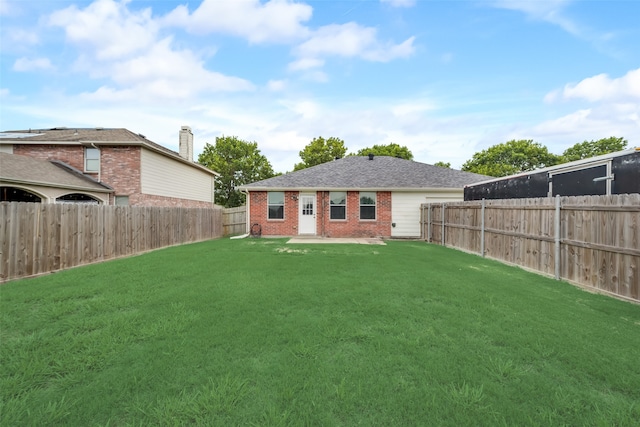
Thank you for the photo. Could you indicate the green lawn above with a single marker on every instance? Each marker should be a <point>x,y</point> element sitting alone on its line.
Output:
<point>256,332</point>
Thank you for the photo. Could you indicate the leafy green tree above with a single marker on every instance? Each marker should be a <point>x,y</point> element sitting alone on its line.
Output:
<point>443,165</point>
<point>392,149</point>
<point>238,162</point>
<point>586,149</point>
<point>319,151</point>
<point>511,157</point>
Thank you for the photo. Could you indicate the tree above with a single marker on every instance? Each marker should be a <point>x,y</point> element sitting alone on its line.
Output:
<point>510,158</point>
<point>443,165</point>
<point>391,149</point>
<point>238,162</point>
<point>586,149</point>
<point>320,151</point>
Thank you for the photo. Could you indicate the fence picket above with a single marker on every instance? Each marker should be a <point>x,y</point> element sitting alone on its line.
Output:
<point>593,241</point>
<point>38,238</point>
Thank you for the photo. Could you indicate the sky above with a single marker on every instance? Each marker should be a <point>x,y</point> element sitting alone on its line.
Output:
<point>447,79</point>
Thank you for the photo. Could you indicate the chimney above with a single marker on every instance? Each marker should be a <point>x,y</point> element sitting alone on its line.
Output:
<point>370,156</point>
<point>186,143</point>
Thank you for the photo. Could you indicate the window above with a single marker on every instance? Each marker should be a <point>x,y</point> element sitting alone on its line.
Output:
<point>367,205</point>
<point>338,205</point>
<point>91,160</point>
<point>276,204</point>
<point>122,200</point>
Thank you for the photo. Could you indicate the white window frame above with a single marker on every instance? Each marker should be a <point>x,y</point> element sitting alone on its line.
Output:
<point>88,150</point>
<point>331,205</point>
<point>375,205</point>
<point>269,204</point>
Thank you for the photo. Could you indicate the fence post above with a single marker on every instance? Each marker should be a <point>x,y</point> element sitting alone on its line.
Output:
<point>556,227</point>
<point>482,229</point>
<point>429,235</point>
<point>442,215</point>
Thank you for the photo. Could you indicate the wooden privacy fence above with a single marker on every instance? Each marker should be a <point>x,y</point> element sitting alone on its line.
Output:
<point>38,238</point>
<point>234,220</point>
<point>593,241</point>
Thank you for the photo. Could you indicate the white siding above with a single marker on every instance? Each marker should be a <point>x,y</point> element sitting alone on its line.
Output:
<point>405,209</point>
<point>6,148</point>
<point>162,176</point>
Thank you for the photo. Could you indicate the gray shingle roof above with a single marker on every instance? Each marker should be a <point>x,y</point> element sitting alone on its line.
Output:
<point>27,170</point>
<point>358,172</point>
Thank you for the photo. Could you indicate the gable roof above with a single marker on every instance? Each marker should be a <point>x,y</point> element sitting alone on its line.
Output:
<point>90,137</point>
<point>359,172</point>
<point>17,169</point>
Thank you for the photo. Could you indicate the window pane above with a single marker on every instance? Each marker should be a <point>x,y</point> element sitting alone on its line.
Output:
<point>276,197</point>
<point>367,212</point>
<point>367,198</point>
<point>338,212</point>
<point>92,165</point>
<point>92,153</point>
<point>122,200</point>
<point>276,212</point>
<point>338,197</point>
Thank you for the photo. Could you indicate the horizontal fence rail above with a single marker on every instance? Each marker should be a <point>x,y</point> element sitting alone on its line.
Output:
<point>593,241</point>
<point>38,238</point>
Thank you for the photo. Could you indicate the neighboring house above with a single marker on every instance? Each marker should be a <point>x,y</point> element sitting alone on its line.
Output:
<point>356,196</point>
<point>25,179</point>
<point>613,173</point>
<point>139,172</point>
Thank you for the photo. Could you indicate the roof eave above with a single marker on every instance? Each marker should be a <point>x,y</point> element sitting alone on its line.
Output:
<point>392,189</point>
<point>53,185</point>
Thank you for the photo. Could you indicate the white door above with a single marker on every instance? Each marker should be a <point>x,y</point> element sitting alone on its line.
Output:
<point>307,216</point>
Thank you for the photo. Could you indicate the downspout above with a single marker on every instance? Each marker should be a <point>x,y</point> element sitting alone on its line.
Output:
<point>100,164</point>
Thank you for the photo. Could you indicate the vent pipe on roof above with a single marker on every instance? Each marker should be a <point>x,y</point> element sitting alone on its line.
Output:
<point>186,143</point>
<point>370,156</point>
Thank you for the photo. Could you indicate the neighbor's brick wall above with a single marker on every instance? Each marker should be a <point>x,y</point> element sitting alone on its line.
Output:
<point>120,168</point>
<point>71,155</point>
<point>351,227</point>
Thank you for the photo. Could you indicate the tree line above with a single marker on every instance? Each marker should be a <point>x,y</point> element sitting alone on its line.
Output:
<point>240,162</point>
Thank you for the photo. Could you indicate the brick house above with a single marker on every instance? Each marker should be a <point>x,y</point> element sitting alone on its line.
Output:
<point>356,196</point>
<point>138,172</point>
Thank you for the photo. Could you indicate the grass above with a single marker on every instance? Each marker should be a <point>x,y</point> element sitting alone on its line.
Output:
<point>256,332</point>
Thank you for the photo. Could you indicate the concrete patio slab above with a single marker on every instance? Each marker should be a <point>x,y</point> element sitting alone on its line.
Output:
<point>316,239</point>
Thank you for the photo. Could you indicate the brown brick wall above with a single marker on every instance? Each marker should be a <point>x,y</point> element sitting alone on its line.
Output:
<point>120,168</point>
<point>275,227</point>
<point>73,155</point>
<point>351,227</point>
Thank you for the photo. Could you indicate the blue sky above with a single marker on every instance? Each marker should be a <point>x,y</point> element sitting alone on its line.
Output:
<point>444,78</point>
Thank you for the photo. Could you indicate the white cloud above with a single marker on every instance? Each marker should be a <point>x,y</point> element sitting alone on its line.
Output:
<point>349,40</point>
<point>276,85</point>
<point>167,74</point>
<point>601,88</point>
<point>305,64</point>
<point>107,28</point>
<point>22,37</point>
<point>123,46</point>
<point>273,21</point>
<point>399,3</point>
<point>26,64</point>
<point>6,8</point>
